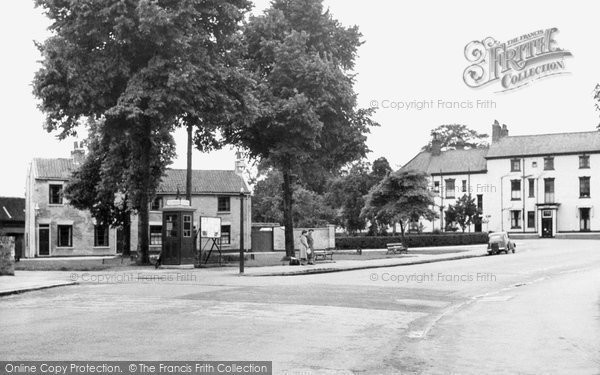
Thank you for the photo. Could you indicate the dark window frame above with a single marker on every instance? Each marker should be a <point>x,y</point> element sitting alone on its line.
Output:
<point>515,194</point>
<point>584,162</point>
<point>105,240</point>
<point>585,223</point>
<point>60,236</point>
<point>515,223</point>
<point>157,204</point>
<point>531,182</point>
<point>584,181</point>
<point>55,197</point>
<point>531,219</point>
<point>549,163</point>
<point>225,234</point>
<point>515,165</point>
<point>451,182</point>
<point>223,204</point>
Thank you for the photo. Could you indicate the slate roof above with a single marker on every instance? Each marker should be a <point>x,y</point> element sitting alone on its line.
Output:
<point>451,161</point>
<point>12,209</point>
<point>53,169</point>
<point>203,181</point>
<point>545,144</point>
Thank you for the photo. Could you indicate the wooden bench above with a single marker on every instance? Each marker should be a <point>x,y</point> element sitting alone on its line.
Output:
<point>396,248</point>
<point>322,255</point>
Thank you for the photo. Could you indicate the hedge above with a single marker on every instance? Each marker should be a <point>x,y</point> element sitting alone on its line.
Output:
<point>412,240</point>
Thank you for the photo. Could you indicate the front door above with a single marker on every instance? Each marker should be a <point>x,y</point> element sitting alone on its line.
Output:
<point>44,239</point>
<point>171,253</point>
<point>547,227</point>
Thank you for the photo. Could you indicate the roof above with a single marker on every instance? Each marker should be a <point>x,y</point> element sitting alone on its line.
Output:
<point>203,182</point>
<point>58,169</point>
<point>545,144</point>
<point>12,209</point>
<point>451,161</point>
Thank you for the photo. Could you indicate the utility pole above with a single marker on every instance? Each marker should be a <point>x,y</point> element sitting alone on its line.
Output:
<point>188,176</point>
<point>242,232</point>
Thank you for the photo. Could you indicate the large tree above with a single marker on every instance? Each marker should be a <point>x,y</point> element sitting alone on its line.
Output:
<point>464,212</point>
<point>142,68</point>
<point>457,136</point>
<point>307,121</point>
<point>347,191</point>
<point>310,210</point>
<point>402,196</point>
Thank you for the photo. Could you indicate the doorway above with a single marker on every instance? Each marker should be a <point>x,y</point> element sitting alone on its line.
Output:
<point>547,227</point>
<point>44,239</point>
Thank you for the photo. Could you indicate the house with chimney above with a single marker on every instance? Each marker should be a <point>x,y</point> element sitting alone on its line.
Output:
<point>55,228</point>
<point>533,185</point>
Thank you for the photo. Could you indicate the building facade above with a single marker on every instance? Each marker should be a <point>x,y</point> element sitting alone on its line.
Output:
<point>12,221</point>
<point>55,228</point>
<point>539,185</point>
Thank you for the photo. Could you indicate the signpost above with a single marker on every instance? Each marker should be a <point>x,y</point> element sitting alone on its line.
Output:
<point>210,228</point>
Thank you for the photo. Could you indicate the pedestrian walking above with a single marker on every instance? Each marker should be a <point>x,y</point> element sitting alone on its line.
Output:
<point>311,246</point>
<point>303,247</point>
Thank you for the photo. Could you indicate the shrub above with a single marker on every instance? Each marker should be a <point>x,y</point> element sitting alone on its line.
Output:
<point>412,240</point>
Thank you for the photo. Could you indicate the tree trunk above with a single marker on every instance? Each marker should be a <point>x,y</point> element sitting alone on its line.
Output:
<point>288,220</point>
<point>127,236</point>
<point>188,177</point>
<point>402,234</point>
<point>143,229</point>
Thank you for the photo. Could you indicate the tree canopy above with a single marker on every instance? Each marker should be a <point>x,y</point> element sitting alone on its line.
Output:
<point>142,68</point>
<point>455,136</point>
<point>306,121</point>
<point>401,197</point>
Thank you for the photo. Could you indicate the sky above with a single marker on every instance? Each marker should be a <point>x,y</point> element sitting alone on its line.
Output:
<point>413,52</point>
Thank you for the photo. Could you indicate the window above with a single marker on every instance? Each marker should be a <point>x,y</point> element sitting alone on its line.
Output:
<point>480,202</point>
<point>515,190</point>
<point>515,219</point>
<point>224,204</point>
<point>450,188</point>
<point>155,234</point>
<point>584,219</point>
<point>531,188</point>
<point>187,225</point>
<point>464,186</point>
<point>584,187</point>
<point>56,194</point>
<point>101,235</point>
<point>530,219</point>
<point>534,164</point>
<point>548,190</point>
<point>225,234</point>
<point>515,165</point>
<point>157,204</point>
<point>172,226</point>
<point>584,162</point>
<point>549,163</point>
<point>436,186</point>
<point>65,236</point>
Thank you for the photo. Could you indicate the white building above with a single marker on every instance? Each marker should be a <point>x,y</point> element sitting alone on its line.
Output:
<point>539,185</point>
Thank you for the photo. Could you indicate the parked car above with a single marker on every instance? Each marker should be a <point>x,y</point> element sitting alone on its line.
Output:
<point>500,242</point>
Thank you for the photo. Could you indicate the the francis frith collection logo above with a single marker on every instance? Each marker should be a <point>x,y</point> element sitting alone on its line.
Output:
<point>514,63</point>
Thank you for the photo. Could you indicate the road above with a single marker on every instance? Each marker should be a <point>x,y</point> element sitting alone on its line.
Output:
<point>536,311</point>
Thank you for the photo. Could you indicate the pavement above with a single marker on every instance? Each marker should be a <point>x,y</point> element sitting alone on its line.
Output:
<point>26,281</point>
<point>349,265</point>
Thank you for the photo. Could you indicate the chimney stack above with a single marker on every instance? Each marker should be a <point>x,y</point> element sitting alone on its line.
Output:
<point>496,131</point>
<point>78,153</point>
<point>504,131</point>
<point>240,164</point>
<point>436,145</point>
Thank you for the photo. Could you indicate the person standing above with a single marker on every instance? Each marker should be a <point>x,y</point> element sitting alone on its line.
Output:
<point>311,246</point>
<point>303,247</point>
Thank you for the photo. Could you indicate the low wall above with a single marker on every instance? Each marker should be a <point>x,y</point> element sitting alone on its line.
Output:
<point>7,248</point>
<point>324,237</point>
